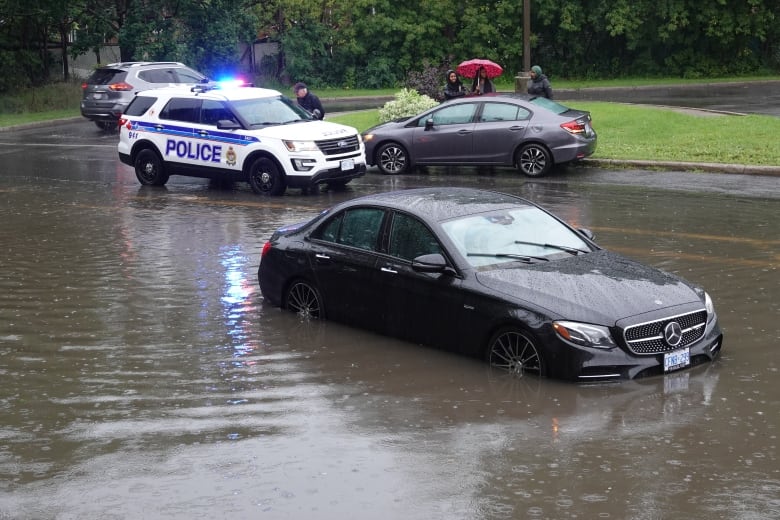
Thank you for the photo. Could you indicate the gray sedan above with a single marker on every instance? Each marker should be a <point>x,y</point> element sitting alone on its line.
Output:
<point>529,133</point>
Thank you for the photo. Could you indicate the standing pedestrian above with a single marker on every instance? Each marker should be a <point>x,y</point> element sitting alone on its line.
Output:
<point>454,88</point>
<point>539,84</point>
<point>308,101</point>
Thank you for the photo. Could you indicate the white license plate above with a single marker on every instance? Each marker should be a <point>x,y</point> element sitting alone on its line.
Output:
<point>677,359</point>
<point>347,164</point>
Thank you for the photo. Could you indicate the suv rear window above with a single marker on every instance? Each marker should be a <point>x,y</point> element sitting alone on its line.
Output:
<point>139,105</point>
<point>106,77</point>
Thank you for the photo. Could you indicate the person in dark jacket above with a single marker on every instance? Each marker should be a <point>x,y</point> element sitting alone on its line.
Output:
<point>481,83</point>
<point>308,101</point>
<point>454,88</point>
<point>539,84</point>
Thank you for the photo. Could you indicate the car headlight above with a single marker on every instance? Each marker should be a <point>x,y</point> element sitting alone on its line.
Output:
<point>584,334</point>
<point>301,146</point>
<point>709,306</point>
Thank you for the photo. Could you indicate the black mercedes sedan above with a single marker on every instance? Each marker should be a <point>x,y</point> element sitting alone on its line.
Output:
<point>490,275</point>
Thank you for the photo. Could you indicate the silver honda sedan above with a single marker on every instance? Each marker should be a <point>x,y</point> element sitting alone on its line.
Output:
<point>526,132</point>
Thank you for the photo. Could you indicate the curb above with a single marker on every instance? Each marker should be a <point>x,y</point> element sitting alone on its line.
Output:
<point>745,169</point>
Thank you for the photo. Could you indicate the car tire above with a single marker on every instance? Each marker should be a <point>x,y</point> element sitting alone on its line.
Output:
<point>392,159</point>
<point>265,178</point>
<point>149,168</point>
<point>515,351</point>
<point>106,126</point>
<point>303,299</point>
<point>534,160</point>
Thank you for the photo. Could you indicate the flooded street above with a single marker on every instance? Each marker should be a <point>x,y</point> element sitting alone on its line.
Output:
<point>144,377</point>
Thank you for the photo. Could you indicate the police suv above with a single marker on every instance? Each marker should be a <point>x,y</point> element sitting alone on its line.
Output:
<point>236,134</point>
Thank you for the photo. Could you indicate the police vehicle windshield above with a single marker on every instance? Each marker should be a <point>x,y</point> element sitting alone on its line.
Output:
<point>270,111</point>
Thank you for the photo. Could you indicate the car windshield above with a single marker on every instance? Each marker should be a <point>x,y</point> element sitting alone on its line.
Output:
<point>550,105</point>
<point>269,111</point>
<point>525,234</point>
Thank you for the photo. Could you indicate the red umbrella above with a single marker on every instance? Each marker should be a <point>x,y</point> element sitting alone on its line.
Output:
<point>469,68</point>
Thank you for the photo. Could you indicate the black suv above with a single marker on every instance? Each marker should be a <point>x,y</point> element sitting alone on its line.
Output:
<point>109,89</point>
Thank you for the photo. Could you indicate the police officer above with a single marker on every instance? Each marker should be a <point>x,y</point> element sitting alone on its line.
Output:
<point>308,101</point>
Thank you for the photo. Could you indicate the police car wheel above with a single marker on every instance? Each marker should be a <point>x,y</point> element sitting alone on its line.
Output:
<point>265,178</point>
<point>149,168</point>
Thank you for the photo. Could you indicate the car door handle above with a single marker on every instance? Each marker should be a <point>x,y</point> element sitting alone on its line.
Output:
<point>159,128</point>
<point>389,270</point>
<point>516,128</point>
<point>320,256</point>
<point>203,132</point>
<point>464,132</point>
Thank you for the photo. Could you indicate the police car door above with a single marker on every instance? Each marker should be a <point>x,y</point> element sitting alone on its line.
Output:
<point>227,146</point>
<point>179,119</point>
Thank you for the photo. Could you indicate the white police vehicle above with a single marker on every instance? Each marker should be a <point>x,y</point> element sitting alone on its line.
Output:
<point>236,134</point>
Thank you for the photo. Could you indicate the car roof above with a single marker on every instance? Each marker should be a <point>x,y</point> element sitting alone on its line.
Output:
<point>231,94</point>
<point>138,64</point>
<point>439,204</point>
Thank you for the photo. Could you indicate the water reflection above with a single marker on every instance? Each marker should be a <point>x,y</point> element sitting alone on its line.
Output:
<point>145,377</point>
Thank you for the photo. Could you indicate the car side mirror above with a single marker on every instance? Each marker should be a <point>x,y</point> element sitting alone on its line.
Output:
<point>587,233</point>
<point>428,124</point>
<point>433,263</point>
<point>226,124</point>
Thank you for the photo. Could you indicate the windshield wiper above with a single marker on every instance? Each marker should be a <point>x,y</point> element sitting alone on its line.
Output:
<point>513,256</point>
<point>571,250</point>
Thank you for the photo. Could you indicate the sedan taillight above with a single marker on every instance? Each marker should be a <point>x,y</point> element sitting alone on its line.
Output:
<point>574,127</point>
<point>266,248</point>
<point>120,86</point>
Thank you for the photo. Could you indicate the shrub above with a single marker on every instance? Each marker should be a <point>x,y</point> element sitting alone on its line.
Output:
<point>407,102</point>
<point>429,81</point>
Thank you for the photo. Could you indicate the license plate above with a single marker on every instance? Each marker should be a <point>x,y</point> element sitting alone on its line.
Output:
<point>97,96</point>
<point>347,164</point>
<point>677,359</point>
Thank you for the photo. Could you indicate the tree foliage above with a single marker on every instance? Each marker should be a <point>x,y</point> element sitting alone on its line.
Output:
<point>380,43</point>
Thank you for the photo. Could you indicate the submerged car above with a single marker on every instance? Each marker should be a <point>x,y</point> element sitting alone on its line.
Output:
<point>530,133</point>
<point>490,275</point>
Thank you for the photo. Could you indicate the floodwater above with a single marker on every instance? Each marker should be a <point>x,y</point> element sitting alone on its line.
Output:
<point>143,376</point>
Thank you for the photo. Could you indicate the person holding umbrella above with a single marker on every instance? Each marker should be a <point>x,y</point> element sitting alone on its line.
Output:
<point>539,84</point>
<point>482,84</point>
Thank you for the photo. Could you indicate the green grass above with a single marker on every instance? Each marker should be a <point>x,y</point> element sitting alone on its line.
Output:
<point>634,132</point>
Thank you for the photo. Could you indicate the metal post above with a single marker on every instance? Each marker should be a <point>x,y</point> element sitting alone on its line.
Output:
<point>521,80</point>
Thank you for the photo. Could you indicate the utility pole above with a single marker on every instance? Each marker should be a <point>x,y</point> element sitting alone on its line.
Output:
<point>521,80</point>
<point>526,36</point>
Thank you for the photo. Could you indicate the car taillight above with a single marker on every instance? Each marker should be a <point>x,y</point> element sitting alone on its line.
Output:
<point>120,86</point>
<point>574,127</point>
<point>122,122</point>
<point>84,86</point>
<point>266,248</point>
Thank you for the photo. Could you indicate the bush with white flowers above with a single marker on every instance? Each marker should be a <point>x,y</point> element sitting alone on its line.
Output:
<point>407,102</point>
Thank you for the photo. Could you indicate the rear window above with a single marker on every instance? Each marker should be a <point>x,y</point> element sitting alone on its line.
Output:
<point>172,75</point>
<point>139,105</point>
<point>550,105</point>
<point>106,77</point>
